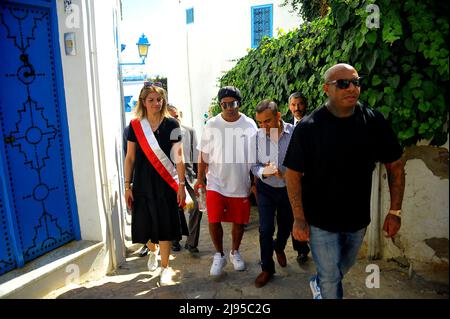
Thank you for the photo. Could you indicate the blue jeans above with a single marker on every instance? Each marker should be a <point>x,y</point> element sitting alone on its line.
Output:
<point>334,254</point>
<point>271,200</point>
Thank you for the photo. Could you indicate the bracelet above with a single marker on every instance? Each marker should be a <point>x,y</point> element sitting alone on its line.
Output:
<point>182,183</point>
<point>396,212</point>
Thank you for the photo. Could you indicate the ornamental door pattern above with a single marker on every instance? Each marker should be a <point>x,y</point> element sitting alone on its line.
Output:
<point>37,201</point>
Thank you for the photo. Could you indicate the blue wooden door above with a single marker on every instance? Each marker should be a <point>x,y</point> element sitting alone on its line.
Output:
<point>40,211</point>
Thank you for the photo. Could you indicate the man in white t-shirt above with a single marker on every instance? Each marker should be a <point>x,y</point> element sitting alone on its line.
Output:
<point>227,156</point>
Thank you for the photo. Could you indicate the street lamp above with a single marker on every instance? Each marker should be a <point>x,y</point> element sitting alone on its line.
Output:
<point>142,45</point>
<point>132,80</point>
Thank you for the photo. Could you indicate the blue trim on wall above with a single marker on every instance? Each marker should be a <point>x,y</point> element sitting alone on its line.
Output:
<point>134,78</point>
<point>252,33</point>
<point>252,11</point>
<point>190,15</point>
<point>65,126</point>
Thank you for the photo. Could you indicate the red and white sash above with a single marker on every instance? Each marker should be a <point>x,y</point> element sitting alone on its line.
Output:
<point>154,153</point>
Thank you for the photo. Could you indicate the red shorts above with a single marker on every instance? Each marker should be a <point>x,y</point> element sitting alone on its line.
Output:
<point>227,209</point>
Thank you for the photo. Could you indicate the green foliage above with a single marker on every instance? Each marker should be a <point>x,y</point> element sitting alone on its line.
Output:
<point>404,63</point>
<point>308,9</point>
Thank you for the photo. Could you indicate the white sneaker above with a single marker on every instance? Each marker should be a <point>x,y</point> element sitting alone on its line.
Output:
<point>152,263</point>
<point>315,289</point>
<point>165,277</point>
<point>237,261</point>
<point>218,263</point>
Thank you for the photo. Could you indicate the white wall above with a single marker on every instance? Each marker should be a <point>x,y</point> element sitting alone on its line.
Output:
<point>220,34</point>
<point>93,101</point>
<point>132,88</point>
<point>79,104</point>
<point>424,232</point>
<point>107,20</point>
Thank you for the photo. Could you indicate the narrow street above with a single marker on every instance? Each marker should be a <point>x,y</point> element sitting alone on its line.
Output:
<point>192,281</point>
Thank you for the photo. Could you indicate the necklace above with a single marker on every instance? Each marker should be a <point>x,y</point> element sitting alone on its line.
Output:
<point>155,124</point>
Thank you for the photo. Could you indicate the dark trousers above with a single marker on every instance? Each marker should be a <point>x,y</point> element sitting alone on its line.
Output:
<point>195,218</point>
<point>273,203</point>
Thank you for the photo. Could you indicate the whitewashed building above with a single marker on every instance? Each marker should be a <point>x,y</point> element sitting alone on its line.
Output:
<point>62,213</point>
<point>207,37</point>
<point>61,187</point>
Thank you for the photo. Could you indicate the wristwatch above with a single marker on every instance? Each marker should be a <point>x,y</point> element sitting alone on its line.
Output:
<point>396,212</point>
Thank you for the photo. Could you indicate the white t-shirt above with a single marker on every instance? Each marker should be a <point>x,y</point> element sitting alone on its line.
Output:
<point>230,154</point>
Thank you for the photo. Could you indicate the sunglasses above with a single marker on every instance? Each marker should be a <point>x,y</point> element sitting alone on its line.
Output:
<point>344,84</point>
<point>150,83</point>
<point>233,104</point>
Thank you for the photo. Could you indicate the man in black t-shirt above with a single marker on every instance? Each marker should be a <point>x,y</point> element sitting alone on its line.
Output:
<point>330,161</point>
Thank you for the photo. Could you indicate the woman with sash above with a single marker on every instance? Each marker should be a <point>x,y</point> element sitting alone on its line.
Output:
<point>154,187</point>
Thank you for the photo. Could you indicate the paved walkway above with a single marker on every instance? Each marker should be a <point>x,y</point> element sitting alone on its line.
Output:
<point>192,281</point>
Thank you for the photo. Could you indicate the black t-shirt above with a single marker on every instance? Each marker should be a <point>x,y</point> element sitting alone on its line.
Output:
<point>337,157</point>
<point>145,177</point>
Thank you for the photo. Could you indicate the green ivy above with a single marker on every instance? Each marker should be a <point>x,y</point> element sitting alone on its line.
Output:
<point>404,63</point>
<point>307,9</point>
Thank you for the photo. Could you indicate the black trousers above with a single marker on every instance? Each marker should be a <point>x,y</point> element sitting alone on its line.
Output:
<point>195,217</point>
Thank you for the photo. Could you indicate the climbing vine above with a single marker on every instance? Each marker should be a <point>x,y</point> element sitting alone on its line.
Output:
<point>403,57</point>
<point>308,10</point>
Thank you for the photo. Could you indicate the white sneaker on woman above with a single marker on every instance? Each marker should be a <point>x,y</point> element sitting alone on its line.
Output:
<point>152,263</point>
<point>165,278</point>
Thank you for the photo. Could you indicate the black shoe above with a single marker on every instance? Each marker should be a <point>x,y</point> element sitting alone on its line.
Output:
<point>302,258</point>
<point>176,246</point>
<point>144,251</point>
<point>193,250</point>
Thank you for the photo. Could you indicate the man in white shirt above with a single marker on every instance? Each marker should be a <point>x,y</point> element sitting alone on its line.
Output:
<point>272,142</point>
<point>227,158</point>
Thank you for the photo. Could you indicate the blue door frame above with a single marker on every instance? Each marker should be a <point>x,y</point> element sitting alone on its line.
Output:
<point>38,211</point>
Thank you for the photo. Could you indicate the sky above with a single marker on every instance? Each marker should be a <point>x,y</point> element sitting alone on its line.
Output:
<point>148,17</point>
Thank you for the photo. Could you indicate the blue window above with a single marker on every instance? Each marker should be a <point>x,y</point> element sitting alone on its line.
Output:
<point>262,21</point>
<point>189,15</point>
